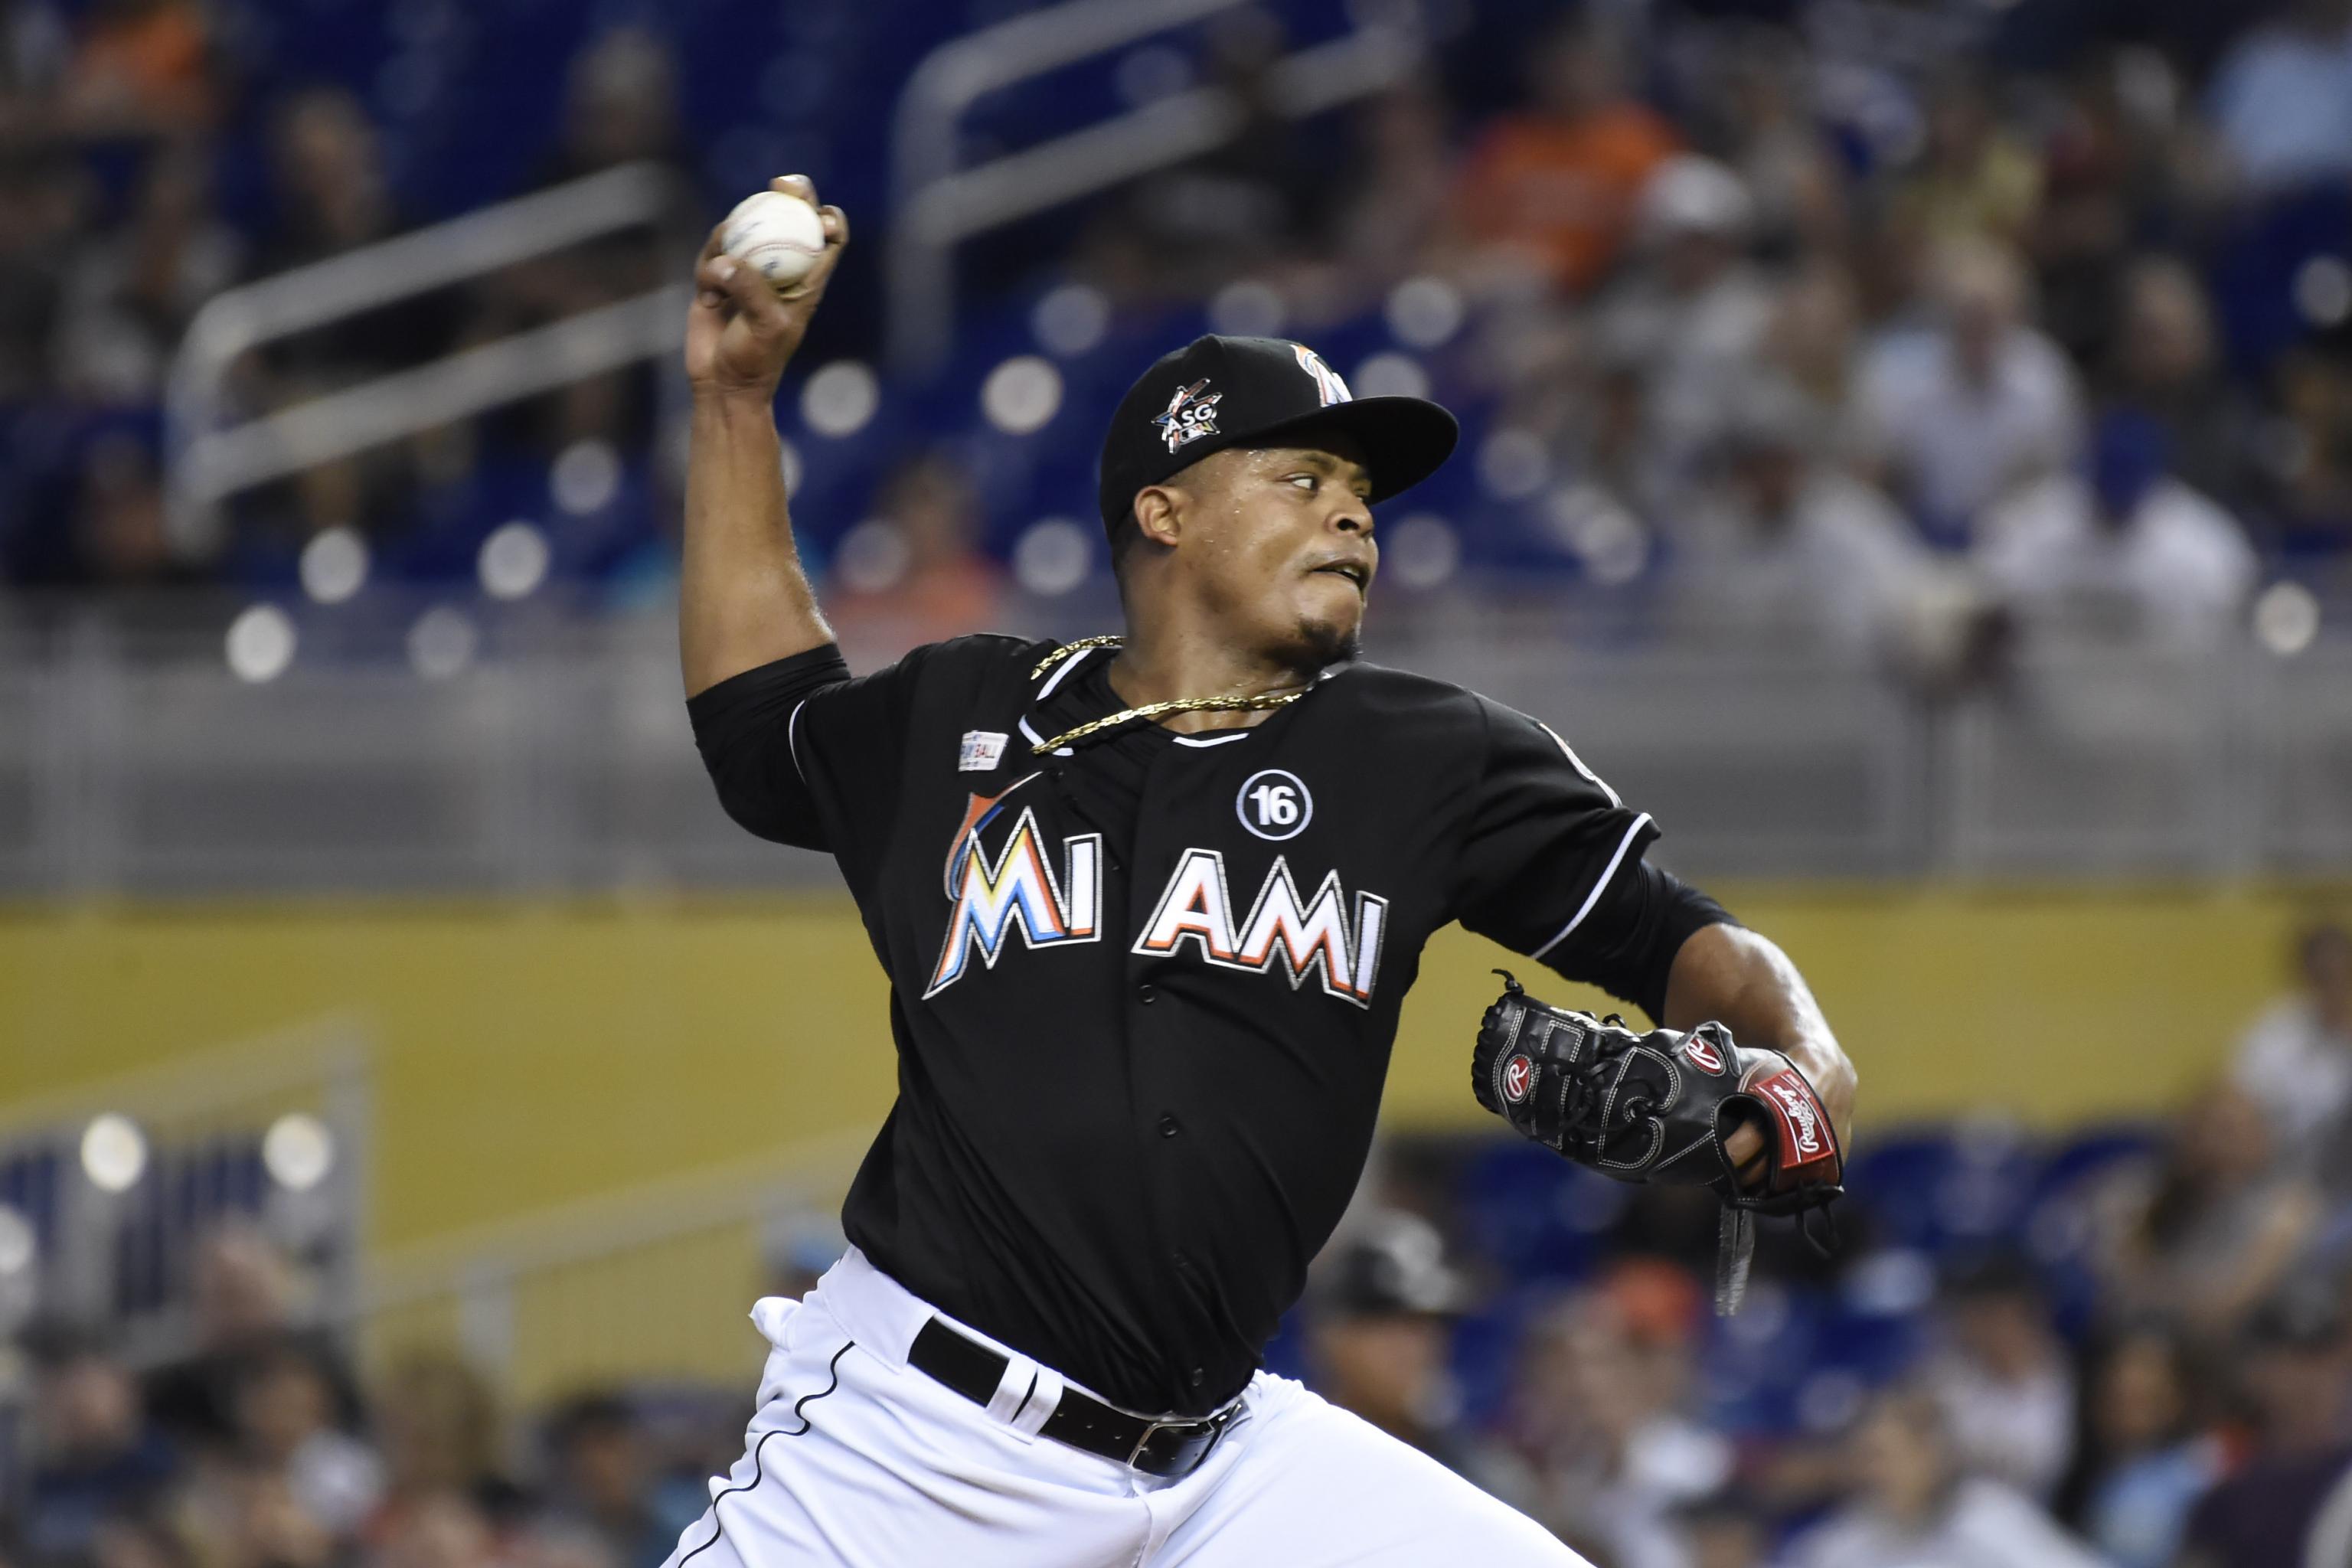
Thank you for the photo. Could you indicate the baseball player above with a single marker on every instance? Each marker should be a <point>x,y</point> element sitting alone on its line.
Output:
<point>1149,906</point>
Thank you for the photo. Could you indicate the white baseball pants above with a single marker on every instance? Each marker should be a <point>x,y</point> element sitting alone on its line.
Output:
<point>859,1460</point>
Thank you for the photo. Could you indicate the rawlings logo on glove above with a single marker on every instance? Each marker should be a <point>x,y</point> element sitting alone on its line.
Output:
<point>1519,1076</point>
<point>1660,1107</point>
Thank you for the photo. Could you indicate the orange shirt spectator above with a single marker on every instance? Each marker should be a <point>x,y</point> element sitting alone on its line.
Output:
<point>1557,183</point>
<point>912,573</point>
<point>144,66</point>
<point>1564,192</point>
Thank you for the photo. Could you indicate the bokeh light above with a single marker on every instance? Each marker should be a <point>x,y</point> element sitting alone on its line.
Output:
<point>260,644</point>
<point>1022,395</point>
<point>514,560</point>
<point>114,1152</point>
<point>841,399</point>
<point>334,564</point>
<point>297,1151</point>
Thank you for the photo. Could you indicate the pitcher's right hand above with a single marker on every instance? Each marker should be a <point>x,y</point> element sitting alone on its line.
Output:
<point>740,333</point>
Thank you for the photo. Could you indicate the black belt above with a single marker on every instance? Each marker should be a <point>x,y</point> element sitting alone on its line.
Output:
<point>1158,1446</point>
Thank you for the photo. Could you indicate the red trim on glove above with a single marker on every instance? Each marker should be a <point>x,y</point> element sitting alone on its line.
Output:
<point>1806,1140</point>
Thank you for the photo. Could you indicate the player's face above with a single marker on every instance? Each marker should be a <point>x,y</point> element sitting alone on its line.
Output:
<point>1277,543</point>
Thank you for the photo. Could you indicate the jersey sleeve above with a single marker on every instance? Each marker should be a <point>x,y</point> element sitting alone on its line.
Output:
<point>1552,868</point>
<point>804,754</point>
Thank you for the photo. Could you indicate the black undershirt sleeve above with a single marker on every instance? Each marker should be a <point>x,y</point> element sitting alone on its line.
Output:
<point>1643,919</point>
<point>743,728</point>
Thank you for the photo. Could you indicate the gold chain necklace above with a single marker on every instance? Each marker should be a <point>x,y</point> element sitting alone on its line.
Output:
<point>1262,701</point>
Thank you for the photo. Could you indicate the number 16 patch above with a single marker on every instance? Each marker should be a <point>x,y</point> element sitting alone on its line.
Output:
<point>1274,804</point>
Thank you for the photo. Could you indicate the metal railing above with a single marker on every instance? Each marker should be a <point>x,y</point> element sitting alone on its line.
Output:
<point>939,206</point>
<point>120,1212</point>
<point>561,760</point>
<point>212,456</point>
<point>652,1281</point>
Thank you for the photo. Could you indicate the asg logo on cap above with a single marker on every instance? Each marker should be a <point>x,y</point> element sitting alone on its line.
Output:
<point>1327,385</point>
<point>1191,414</point>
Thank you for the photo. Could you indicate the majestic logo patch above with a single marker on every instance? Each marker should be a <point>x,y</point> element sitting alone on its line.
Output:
<point>1519,1076</point>
<point>1017,888</point>
<point>1275,805</point>
<point>1191,414</point>
<point>1706,1057</point>
<point>1327,385</point>
<point>982,750</point>
<point>1282,931</point>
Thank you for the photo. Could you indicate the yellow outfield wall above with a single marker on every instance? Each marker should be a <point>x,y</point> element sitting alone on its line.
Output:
<point>529,1055</point>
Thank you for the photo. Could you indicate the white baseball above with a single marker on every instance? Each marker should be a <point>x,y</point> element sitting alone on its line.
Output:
<point>780,234</point>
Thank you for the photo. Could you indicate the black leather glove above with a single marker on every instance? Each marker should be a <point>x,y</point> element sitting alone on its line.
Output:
<point>1659,1107</point>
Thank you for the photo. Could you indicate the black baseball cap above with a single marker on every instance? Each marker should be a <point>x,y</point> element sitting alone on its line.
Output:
<point>1218,392</point>
<point>1391,1265</point>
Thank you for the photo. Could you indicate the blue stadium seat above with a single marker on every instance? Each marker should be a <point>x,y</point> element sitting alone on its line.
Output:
<point>1535,1216</point>
<point>1754,1364</point>
<point>1946,1189</point>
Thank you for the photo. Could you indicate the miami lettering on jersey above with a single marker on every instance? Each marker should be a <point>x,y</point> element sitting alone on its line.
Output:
<point>1315,937</point>
<point>1016,890</point>
<point>991,898</point>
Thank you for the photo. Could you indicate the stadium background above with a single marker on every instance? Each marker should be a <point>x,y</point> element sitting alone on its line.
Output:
<point>385,1004</point>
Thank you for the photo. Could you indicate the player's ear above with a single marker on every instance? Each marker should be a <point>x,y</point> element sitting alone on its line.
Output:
<point>1159,513</point>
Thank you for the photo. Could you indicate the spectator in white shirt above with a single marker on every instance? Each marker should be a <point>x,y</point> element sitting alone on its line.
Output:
<point>1788,549</point>
<point>1693,316</point>
<point>1913,1508</point>
<point>2282,97</point>
<point>1962,413</point>
<point>2214,1226</point>
<point>285,1408</point>
<point>2126,550</point>
<point>2003,1378</point>
<point>1599,1416</point>
<point>2296,1061</point>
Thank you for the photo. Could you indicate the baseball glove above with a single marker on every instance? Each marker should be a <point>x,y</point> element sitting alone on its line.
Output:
<point>1658,1108</point>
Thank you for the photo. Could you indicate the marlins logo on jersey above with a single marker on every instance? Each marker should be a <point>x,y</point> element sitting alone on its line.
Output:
<point>1017,888</point>
<point>1281,931</point>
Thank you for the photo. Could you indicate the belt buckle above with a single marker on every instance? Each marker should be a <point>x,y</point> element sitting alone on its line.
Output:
<point>1150,1432</point>
<point>1214,1425</point>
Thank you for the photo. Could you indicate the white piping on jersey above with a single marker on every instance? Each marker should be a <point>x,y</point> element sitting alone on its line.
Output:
<point>1209,740</point>
<point>1055,679</point>
<point>1035,738</point>
<point>1592,898</point>
<point>792,739</point>
<point>1595,780</point>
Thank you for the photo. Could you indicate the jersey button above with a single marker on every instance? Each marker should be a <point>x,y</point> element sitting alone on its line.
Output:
<point>1167,1125</point>
<point>1144,992</point>
<point>1197,1377</point>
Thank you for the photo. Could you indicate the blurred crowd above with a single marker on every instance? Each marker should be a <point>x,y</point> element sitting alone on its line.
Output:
<point>2154,1369</point>
<point>1866,321</point>
<point>259,1448</point>
<point>2148,1367</point>
<point>1915,327</point>
<point>119,121</point>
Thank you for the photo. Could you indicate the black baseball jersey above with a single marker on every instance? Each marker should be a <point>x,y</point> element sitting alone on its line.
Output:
<point>1143,989</point>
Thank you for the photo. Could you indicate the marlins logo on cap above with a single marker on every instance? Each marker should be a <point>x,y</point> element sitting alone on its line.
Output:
<point>1328,387</point>
<point>1217,393</point>
<point>1191,414</point>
